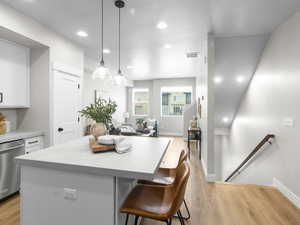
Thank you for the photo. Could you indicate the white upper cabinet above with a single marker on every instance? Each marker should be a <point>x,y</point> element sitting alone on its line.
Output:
<point>14,75</point>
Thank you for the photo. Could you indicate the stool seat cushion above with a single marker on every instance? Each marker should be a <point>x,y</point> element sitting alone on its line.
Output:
<point>153,202</point>
<point>164,176</point>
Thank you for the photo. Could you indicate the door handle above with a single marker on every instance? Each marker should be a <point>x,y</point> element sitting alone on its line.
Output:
<point>60,129</point>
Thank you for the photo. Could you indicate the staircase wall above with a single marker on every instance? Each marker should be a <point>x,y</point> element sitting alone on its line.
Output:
<point>270,106</point>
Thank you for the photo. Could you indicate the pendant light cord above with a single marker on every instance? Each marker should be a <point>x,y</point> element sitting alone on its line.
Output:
<point>120,72</point>
<point>102,24</point>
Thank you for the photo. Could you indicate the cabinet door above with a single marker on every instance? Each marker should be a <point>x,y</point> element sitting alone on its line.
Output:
<point>14,76</point>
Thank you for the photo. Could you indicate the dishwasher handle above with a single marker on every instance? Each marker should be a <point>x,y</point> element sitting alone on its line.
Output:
<point>12,148</point>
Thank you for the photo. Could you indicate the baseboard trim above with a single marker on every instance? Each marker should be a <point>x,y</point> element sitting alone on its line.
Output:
<point>211,177</point>
<point>287,192</point>
<point>204,167</point>
<point>170,134</point>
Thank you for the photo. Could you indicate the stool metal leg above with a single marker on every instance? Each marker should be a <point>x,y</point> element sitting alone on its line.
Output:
<point>126,222</point>
<point>169,222</point>
<point>180,218</point>
<point>188,211</point>
<point>136,220</point>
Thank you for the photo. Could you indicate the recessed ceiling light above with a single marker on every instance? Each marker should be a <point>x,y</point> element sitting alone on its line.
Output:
<point>218,80</point>
<point>82,33</point>
<point>225,119</point>
<point>240,79</point>
<point>106,51</point>
<point>132,11</point>
<point>162,25</point>
<point>167,46</point>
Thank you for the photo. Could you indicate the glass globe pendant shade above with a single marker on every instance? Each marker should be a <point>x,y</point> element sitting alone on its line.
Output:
<point>101,71</point>
<point>119,79</point>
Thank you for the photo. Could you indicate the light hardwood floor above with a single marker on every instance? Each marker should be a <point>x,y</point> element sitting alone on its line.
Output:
<point>210,203</point>
<point>227,203</point>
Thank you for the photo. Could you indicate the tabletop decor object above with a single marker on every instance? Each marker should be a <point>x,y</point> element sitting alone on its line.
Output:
<point>140,123</point>
<point>194,123</point>
<point>101,113</point>
<point>110,143</point>
<point>2,124</point>
<point>97,148</point>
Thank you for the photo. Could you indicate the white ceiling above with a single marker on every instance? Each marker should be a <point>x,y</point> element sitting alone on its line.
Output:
<point>236,54</point>
<point>142,43</point>
<point>250,17</point>
<point>188,21</point>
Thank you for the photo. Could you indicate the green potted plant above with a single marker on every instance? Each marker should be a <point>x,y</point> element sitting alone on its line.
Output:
<point>101,112</point>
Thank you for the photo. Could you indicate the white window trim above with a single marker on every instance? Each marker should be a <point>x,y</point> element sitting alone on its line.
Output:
<point>134,90</point>
<point>171,90</point>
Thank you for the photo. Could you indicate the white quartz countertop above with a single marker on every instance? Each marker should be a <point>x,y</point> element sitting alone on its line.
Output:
<point>141,162</point>
<point>17,135</point>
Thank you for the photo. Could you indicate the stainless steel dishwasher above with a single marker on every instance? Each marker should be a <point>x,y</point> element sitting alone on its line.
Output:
<point>9,170</point>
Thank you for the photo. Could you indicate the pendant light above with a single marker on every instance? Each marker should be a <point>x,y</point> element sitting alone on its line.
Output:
<point>101,71</point>
<point>119,78</point>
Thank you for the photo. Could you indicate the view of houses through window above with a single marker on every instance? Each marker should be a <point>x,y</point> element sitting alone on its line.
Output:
<point>140,102</point>
<point>174,99</point>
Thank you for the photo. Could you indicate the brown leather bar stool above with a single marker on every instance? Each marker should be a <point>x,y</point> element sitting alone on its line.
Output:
<point>158,202</point>
<point>166,176</point>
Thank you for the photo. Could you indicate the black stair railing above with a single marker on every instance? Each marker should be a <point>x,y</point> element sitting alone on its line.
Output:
<point>251,155</point>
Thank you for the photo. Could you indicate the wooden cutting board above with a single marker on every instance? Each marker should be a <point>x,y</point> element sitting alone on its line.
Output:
<point>97,148</point>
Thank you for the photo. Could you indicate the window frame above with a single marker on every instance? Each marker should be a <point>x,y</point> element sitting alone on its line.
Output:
<point>165,89</point>
<point>134,90</point>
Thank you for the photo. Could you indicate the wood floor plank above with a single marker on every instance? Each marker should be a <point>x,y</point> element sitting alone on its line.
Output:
<point>210,203</point>
<point>222,203</point>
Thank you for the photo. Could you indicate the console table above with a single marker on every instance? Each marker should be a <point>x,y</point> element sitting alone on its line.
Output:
<point>194,134</point>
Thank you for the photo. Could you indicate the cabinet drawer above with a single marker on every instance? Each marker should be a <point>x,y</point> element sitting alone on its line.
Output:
<point>33,142</point>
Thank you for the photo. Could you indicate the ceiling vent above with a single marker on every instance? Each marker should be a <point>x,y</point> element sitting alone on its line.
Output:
<point>192,54</point>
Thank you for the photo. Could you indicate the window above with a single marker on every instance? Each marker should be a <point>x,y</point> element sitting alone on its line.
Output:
<point>140,102</point>
<point>174,99</point>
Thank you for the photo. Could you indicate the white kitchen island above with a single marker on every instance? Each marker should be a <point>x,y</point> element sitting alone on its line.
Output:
<point>69,185</point>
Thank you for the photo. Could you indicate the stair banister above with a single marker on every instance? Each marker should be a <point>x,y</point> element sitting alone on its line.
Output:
<point>251,155</point>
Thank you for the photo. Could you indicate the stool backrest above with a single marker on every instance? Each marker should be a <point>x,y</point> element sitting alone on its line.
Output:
<point>180,183</point>
<point>182,158</point>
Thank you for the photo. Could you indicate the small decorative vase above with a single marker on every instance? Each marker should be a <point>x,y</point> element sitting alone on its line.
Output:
<point>194,123</point>
<point>98,129</point>
<point>2,127</point>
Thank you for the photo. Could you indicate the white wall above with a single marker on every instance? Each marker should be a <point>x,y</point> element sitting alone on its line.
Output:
<point>140,84</point>
<point>235,56</point>
<point>272,96</point>
<point>205,93</point>
<point>108,90</point>
<point>11,116</point>
<point>168,125</point>
<point>189,113</point>
<point>60,49</point>
<point>37,117</point>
